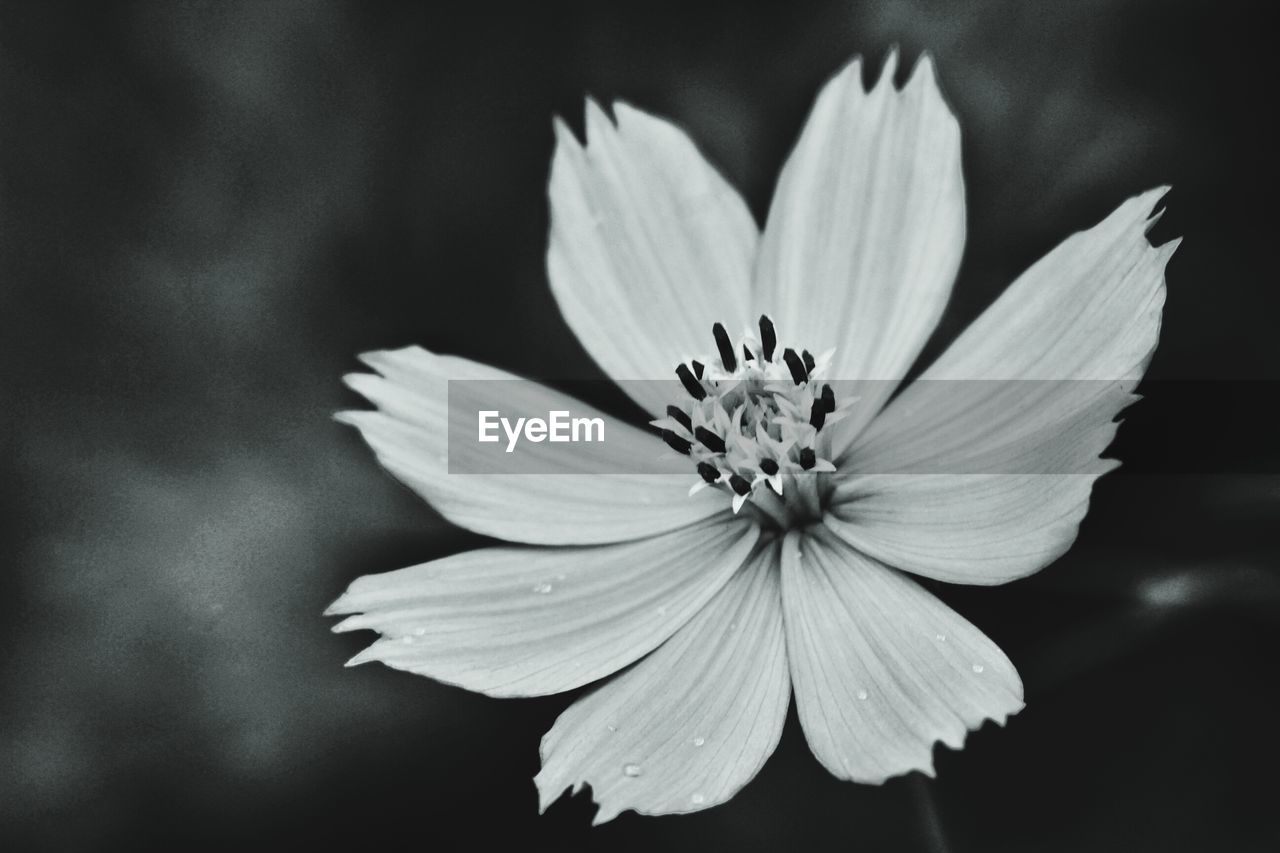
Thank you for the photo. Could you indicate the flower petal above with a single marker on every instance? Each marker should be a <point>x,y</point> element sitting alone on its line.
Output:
<point>649,247</point>
<point>1060,352</point>
<point>882,670</point>
<point>867,228</point>
<point>692,723</point>
<point>410,436</point>
<point>531,621</point>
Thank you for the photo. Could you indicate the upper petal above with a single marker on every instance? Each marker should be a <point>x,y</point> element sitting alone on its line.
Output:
<point>692,723</point>
<point>1058,356</point>
<point>531,621</point>
<point>410,435</point>
<point>867,228</point>
<point>882,670</point>
<point>649,246</point>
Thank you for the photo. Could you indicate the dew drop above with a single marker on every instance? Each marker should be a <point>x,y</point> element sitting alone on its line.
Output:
<point>699,741</point>
<point>941,638</point>
<point>977,667</point>
<point>862,694</point>
<point>542,588</point>
<point>697,799</point>
<point>631,770</point>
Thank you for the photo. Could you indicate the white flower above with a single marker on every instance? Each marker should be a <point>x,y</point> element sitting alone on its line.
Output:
<point>727,611</point>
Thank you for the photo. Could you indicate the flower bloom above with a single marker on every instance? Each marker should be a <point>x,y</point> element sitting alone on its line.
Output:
<point>789,568</point>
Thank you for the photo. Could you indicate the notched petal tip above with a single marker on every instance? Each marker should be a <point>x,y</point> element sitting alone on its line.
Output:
<point>339,607</point>
<point>600,125</point>
<point>889,69</point>
<point>561,131</point>
<point>367,655</point>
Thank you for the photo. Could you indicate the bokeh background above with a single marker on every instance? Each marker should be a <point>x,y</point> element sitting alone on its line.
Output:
<point>207,209</point>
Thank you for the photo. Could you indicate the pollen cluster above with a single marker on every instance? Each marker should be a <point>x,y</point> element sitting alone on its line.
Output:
<point>754,417</point>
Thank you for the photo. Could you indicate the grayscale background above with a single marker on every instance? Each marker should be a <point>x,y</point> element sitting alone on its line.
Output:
<point>206,211</point>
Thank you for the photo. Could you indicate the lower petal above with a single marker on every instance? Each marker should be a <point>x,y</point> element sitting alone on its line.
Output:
<point>690,724</point>
<point>882,670</point>
<point>532,621</point>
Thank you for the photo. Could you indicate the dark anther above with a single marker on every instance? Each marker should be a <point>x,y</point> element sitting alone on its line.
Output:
<point>817,414</point>
<point>828,398</point>
<point>808,458</point>
<point>727,356</point>
<point>739,485</point>
<point>769,467</point>
<point>697,368</point>
<point>708,472</point>
<point>768,338</point>
<point>678,415</point>
<point>709,439</point>
<point>808,360</point>
<point>693,386</point>
<point>746,354</point>
<point>795,365</point>
<point>675,442</point>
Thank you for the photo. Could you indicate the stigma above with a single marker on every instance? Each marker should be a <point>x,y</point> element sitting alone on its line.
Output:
<point>753,418</point>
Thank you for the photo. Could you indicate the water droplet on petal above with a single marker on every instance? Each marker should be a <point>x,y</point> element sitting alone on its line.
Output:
<point>862,694</point>
<point>697,799</point>
<point>699,741</point>
<point>611,727</point>
<point>542,588</point>
<point>941,638</point>
<point>631,770</point>
<point>977,667</point>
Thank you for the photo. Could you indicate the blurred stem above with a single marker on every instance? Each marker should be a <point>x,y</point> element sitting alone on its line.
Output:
<point>930,818</point>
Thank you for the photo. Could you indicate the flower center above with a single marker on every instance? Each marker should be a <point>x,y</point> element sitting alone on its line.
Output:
<point>753,422</point>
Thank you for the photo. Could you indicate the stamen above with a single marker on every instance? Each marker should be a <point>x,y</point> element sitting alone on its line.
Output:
<point>750,432</point>
<point>817,414</point>
<point>709,439</point>
<point>676,443</point>
<point>795,365</point>
<point>680,416</point>
<point>693,386</point>
<point>768,338</point>
<point>727,357</point>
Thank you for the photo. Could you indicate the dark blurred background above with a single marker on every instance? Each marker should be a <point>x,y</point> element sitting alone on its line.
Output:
<point>207,209</point>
